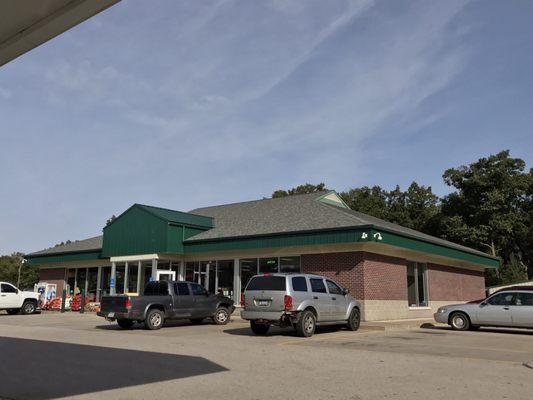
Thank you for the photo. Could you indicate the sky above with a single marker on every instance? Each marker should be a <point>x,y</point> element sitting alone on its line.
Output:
<point>183,104</point>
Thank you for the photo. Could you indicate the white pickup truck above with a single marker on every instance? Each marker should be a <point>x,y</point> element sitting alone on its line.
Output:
<point>14,300</point>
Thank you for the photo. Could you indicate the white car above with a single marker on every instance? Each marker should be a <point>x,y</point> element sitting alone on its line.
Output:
<point>14,300</point>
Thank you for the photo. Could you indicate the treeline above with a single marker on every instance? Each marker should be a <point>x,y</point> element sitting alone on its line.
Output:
<point>10,266</point>
<point>490,208</point>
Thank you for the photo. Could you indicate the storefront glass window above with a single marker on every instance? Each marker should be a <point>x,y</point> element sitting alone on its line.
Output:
<point>119,279</point>
<point>92,280</point>
<point>290,265</point>
<point>248,269</point>
<point>268,265</point>
<point>80,280</point>
<point>133,273</point>
<point>225,277</point>
<point>417,284</point>
<point>189,270</point>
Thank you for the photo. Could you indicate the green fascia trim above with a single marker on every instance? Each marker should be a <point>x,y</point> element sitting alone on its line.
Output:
<point>345,235</point>
<point>64,257</point>
<point>417,244</point>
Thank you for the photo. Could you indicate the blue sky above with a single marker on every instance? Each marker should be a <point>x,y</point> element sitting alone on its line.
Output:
<point>182,104</point>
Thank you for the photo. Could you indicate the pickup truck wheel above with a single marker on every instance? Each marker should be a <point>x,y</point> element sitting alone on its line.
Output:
<point>28,307</point>
<point>306,324</point>
<point>13,311</point>
<point>125,323</point>
<point>154,319</point>
<point>221,316</point>
<point>196,321</point>
<point>354,321</point>
<point>259,329</point>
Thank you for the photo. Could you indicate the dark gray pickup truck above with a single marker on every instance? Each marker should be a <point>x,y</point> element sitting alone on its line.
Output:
<point>167,300</point>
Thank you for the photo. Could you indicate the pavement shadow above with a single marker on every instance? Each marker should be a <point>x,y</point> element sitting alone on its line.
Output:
<point>275,331</point>
<point>509,331</point>
<point>38,369</point>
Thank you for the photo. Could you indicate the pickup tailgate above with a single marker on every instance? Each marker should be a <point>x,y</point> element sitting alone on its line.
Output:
<point>113,304</point>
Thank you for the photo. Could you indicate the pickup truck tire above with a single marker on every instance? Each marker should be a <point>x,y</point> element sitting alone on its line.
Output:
<point>28,307</point>
<point>196,321</point>
<point>259,329</point>
<point>13,311</point>
<point>354,321</point>
<point>221,316</point>
<point>306,324</point>
<point>125,323</point>
<point>154,319</point>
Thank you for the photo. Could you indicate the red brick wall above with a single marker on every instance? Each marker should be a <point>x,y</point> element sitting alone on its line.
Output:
<point>371,276</point>
<point>385,277</point>
<point>344,268</point>
<point>449,283</point>
<point>55,275</point>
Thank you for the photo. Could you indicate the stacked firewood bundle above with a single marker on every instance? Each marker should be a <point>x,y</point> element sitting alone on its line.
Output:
<point>76,302</point>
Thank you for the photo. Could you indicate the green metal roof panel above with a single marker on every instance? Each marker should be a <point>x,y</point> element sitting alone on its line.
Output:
<point>179,217</point>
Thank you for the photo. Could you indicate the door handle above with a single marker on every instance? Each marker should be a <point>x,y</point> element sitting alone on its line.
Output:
<point>506,308</point>
<point>315,297</point>
<point>3,295</point>
<point>333,298</point>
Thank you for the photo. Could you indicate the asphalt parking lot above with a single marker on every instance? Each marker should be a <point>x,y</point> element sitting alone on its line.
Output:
<point>82,356</point>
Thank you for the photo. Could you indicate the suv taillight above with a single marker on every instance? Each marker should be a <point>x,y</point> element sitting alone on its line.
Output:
<point>287,301</point>
<point>243,300</point>
<point>128,303</point>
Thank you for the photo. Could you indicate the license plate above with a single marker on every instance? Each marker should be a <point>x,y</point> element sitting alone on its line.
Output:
<point>111,315</point>
<point>262,303</point>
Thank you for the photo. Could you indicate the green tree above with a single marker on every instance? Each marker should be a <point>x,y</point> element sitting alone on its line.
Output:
<point>9,271</point>
<point>489,210</point>
<point>415,208</point>
<point>110,220</point>
<point>302,189</point>
<point>368,200</point>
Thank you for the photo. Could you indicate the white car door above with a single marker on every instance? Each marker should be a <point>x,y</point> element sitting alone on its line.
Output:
<point>9,297</point>
<point>522,310</point>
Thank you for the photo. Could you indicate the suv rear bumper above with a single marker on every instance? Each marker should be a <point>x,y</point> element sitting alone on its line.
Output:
<point>262,315</point>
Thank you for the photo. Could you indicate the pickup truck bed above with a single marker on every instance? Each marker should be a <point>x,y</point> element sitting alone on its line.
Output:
<point>167,300</point>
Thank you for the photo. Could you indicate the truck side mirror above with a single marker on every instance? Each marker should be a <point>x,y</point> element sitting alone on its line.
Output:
<point>345,291</point>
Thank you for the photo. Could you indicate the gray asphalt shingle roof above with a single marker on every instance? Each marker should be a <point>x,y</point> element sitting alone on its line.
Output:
<point>292,214</point>
<point>94,243</point>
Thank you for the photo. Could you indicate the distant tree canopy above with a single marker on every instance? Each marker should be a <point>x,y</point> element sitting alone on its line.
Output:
<point>490,209</point>
<point>302,189</point>
<point>9,269</point>
<point>110,220</point>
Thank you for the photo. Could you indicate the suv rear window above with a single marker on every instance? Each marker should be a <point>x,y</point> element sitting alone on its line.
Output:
<point>299,284</point>
<point>267,283</point>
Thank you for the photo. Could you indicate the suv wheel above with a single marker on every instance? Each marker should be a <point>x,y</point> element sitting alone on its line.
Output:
<point>354,321</point>
<point>306,324</point>
<point>125,323</point>
<point>221,316</point>
<point>154,319</point>
<point>28,307</point>
<point>459,321</point>
<point>259,329</point>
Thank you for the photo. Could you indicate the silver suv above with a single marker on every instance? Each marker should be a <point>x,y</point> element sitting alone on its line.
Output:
<point>300,300</point>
